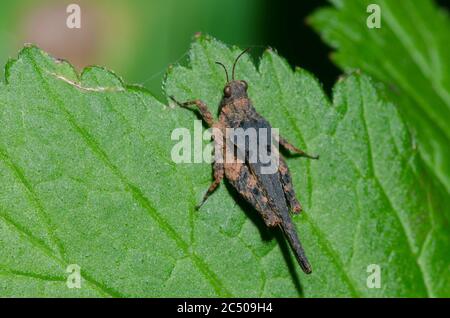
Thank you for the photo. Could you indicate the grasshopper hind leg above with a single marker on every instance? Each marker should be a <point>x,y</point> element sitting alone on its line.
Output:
<point>288,188</point>
<point>246,184</point>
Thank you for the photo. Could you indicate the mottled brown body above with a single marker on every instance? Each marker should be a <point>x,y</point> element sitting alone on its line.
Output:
<point>272,195</point>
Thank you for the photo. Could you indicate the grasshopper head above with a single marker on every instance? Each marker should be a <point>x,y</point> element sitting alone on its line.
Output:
<point>235,89</point>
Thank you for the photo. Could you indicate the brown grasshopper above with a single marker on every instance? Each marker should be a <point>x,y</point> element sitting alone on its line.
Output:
<point>270,194</point>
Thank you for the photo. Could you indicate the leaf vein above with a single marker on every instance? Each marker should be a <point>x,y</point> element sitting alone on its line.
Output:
<point>135,191</point>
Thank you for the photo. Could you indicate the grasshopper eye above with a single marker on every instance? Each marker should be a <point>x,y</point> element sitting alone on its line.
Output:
<point>227,91</point>
<point>244,83</point>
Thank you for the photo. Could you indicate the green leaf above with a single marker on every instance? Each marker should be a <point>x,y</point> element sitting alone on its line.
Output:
<point>87,178</point>
<point>410,54</point>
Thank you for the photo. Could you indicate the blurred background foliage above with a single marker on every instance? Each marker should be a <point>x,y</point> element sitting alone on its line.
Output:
<point>139,39</point>
<point>409,54</point>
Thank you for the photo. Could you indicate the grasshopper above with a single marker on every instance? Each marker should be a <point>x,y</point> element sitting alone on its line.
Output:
<point>272,195</point>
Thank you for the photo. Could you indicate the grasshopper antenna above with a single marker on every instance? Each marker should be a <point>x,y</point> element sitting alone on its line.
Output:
<point>226,72</point>
<point>235,61</point>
